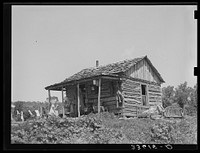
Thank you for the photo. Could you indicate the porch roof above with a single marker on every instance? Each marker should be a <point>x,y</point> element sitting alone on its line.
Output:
<point>59,86</point>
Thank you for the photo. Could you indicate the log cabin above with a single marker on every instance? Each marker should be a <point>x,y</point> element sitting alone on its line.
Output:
<point>126,88</point>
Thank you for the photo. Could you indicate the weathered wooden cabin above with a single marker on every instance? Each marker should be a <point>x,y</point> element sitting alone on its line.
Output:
<point>127,87</point>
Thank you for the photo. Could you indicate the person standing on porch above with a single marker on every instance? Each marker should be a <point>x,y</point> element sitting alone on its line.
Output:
<point>119,96</point>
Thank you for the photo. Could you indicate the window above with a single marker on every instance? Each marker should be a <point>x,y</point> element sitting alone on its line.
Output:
<point>143,89</point>
<point>144,95</point>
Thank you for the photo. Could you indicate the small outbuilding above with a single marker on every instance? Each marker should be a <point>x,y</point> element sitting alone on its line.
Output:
<point>127,88</point>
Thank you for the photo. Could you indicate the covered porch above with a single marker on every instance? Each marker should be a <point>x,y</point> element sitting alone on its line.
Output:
<point>93,94</point>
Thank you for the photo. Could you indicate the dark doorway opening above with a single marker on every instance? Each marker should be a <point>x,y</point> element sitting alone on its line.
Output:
<point>144,94</point>
<point>143,89</point>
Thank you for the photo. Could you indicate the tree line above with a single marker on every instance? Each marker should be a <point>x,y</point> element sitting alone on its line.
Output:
<point>183,95</point>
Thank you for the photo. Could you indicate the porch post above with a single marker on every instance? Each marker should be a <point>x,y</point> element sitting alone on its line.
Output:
<point>49,94</point>
<point>78,99</point>
<point>123,102</point>
<point>147,94</point>
<point>99,95</point>
<point>63,104</point>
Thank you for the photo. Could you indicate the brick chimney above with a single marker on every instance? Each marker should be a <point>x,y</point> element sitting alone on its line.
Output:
<point>97,63</point>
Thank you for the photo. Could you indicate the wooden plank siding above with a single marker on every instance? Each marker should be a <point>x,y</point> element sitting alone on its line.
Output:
<point>142,70</point>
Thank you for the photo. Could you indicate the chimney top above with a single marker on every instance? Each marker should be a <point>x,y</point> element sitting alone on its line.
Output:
<point>97,63</point>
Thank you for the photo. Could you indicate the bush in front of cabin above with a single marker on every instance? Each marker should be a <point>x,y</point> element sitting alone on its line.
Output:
<point>161,133</point>
<point>55,130</point>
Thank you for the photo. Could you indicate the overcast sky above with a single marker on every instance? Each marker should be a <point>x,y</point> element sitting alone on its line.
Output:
<point>51,43</point>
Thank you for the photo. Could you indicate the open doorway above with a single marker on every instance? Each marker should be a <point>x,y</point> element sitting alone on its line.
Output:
<point>83,102</point>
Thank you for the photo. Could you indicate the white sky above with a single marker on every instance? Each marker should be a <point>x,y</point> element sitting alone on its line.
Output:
<point>51,43</point>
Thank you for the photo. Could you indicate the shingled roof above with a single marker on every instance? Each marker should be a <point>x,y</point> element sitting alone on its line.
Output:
<point>109,69</point>
<point>113,69</point>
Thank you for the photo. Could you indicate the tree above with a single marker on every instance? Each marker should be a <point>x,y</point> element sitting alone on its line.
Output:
<point>193,97</point>
<point>184,95</point>
<point>191,107</point>
<point>167,95</point>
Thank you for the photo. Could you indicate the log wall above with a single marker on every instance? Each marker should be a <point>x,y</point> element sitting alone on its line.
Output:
<point>155,95</point>
<point>131,91</point>
<point>108,95</point>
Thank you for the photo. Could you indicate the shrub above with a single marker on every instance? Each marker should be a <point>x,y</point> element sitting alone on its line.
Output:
<point>69,130</point>
<point>190,110</point>
<point>181,131</point>
<point>161,133</point>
